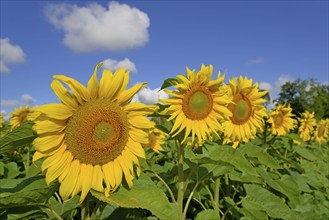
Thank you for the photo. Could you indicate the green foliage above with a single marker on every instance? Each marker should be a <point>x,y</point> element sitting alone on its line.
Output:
<point>19,137</point>
<point>267,178</point>
<point>145,194</point>
<point>305,95</point>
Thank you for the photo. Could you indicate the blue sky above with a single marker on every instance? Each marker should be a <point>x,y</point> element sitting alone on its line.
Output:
<point>269,41</point>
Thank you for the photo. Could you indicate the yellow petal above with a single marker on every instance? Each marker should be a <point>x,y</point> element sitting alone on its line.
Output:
<point>140,122</point>
<point>64,95</point>
<point>56,111</point>
<point>127,95</point>
<point>97,183</point>
<point>138,135</point>
<point>117,172</point>
<point>81,93</point>
<point>86,179</point>
<point>48,126</point>
<point>116,83</point>
<point>136,148</point>
<point>105,82</point>
<point>55,171</point>
<point>108,171</point>
<point>124,83</point>
<point>36,156</point>
<point>126,170</point>
<point>70,181</point>
<point>93,83</point>
<point>52,161</point>
<point>137,106</point>
<point>47,142</point>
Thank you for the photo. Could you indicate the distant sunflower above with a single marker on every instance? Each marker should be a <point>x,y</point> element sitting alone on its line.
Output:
<point>281,120</point>
<point>156,140</point>
<point>197,105</point>
<point>307,123</point>
<point>20,115</point>
<point>247,111</point>
<point>1,120</point>
<point>321,132</point>
<point>94,136</point>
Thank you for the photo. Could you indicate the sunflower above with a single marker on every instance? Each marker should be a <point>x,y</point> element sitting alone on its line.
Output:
<point>281,120</point>
<point>20,115</point>
<point>197,104</point>
<point>94,136</point>
<point>321,132</point>
<point>1,120</point>
<point>247,111</point>
<point>156,139</point>
<point>307,123</point>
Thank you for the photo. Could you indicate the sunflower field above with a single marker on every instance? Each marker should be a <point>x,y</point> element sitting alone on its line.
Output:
<point>210,151</point>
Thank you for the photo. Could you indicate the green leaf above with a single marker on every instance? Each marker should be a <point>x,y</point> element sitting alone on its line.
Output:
<point>23,213</point>
<point>259,153</point>
<point>286,185</point>
<point>244,178</point>
<point>254,214</point>
<point>12,186</point>
<point>19,137</point>
<point>304,152</point>
<point>63,209</point>
<point>229,155</point>
<point>11,170</point>
<point>259,198</point>
<point>207,214</point>
<point>36,197</point>
<point>170,82</point>
<point>143,194</point>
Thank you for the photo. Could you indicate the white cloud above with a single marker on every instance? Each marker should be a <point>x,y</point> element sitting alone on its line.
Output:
<point>95,28</point>
<point>10,54</point>
<point>114,65</point>
<point>326,83</point>
<point>5,115</point>
<point>149,96</point>
<point>9,103</point>
<point>25,99</point>
<point>275,89</point>
<point>255,61</point>
<point>265,85</point>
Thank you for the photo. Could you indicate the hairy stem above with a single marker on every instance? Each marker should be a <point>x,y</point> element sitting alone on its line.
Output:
<point>181,188</point>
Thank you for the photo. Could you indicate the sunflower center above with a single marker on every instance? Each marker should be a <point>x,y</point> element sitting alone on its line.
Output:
<point>22,117</point>
<point>278,120</point>
<point>97,132</point>
<point>197,103</point>
<point>241,110</point>
<point>102,131</point>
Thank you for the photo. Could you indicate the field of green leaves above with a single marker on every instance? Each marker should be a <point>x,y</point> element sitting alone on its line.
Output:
<point>267,178</point>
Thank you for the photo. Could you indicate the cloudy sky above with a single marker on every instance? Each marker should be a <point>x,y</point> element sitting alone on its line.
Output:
<point>270,41</point>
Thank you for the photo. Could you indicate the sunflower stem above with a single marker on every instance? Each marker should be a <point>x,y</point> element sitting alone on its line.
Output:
<point>264,133</point>
<point>181,183</point>
<point>189,198</point>
<point>216,196</point>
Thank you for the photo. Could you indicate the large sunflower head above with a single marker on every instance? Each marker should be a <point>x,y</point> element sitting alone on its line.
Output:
<point>20,115</point>
<point>197,104</point>
<point>281,120</point>
<point>321,132</point>
<point>306,127</point>
<point>94,136</point>
<point>156,140</point>
<point>247,111</point>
